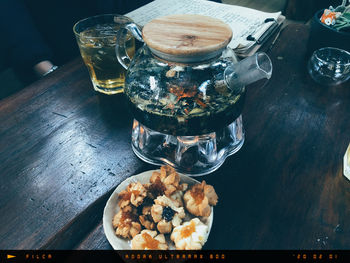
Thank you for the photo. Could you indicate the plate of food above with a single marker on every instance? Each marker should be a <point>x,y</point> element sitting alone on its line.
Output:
<point>159,210</point>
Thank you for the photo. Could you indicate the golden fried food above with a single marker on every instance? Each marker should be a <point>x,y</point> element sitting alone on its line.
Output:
<point>199,198</point>
<point>166,214</point>
<point>146,218</point>
<point>190,235</point>
<point>125,224</point>
<point>164,182</point>
<point>134,194</point>
<point>149,240</point>
<point>177,197</point>
<point>149,211</point>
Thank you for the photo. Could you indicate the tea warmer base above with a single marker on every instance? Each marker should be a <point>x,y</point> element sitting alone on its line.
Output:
<point>192,155</point>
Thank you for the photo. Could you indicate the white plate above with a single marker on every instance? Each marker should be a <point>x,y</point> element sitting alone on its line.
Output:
<point>112,208</point>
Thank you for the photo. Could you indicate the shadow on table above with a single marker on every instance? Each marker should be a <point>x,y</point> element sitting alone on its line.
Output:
<point>114,110</point>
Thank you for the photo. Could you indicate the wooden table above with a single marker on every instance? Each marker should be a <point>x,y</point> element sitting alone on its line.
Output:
<point>64,149</point>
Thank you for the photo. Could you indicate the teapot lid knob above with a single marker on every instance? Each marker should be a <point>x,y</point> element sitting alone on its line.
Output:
<point>186,38</point>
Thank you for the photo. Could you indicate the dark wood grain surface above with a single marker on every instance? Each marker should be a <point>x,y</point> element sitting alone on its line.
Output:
<point>64,149</point>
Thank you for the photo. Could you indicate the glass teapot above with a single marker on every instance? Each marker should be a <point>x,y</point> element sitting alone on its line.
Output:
<point>186,91</point>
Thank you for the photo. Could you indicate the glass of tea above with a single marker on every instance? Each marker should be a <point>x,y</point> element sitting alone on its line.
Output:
<point>96,37</point>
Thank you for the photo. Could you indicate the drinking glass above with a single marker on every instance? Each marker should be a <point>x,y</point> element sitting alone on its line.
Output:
<point>346,163</point>
<point>329,66</point>
<point>97,37</point>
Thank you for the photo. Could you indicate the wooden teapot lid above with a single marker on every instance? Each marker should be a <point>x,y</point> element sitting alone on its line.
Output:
<point>186,38</point>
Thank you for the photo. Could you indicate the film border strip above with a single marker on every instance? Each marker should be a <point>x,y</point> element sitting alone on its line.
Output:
<point>106,256</point>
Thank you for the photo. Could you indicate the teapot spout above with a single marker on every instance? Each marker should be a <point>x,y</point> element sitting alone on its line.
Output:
<point>249,70</point>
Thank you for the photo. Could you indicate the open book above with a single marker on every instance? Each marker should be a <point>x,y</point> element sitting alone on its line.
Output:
<point>250,27</point>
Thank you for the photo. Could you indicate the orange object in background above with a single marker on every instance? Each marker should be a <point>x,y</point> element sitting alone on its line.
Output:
<point>328,18</point>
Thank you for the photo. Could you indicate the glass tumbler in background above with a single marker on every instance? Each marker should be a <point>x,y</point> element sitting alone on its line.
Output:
<point>96,37</point>
<point>346,163</point>
<point>329,66</point>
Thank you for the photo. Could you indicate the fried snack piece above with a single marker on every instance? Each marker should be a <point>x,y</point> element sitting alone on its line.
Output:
<point>148,239</point>
<point>134,194</point>
<point>190,235</point>
<point>164,182</point>
<point>125,223</point>
<point>166,214</point>
<point>146,218</point>
<point>177,197</point>
<point>199,198</point>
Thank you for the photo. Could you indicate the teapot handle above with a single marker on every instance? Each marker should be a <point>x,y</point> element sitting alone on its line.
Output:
<point>120,49</point>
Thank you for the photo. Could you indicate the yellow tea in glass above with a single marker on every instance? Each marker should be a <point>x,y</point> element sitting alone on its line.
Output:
<point>96,37</point>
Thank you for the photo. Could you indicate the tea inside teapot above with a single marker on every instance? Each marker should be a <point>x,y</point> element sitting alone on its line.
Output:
<point>182,99</point>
